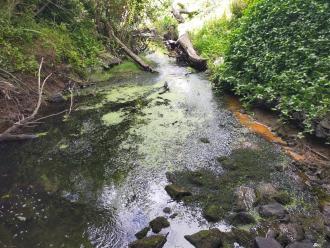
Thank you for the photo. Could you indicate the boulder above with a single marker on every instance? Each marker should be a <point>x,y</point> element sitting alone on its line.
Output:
<point>244,199</point>
<point>156,241</point>
<point>143,233</point>
<point>272,210</point>
<point>306,244</point>
<point>158,224</point>
<point>260,242</point>
<point>177,192</point>
<point>322,129</point>
<point>213,213</point>
<point>241,218</point>
<point>206,239</point>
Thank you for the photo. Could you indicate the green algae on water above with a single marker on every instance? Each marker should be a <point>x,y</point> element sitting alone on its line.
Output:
<point>113,118</point>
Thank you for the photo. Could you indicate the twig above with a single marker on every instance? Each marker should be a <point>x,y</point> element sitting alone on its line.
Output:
<point>71,98</point>
<point>317,153</point>
<point>24,121</point>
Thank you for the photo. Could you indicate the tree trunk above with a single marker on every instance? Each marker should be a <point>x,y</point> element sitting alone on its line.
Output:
<point>128,51</point>
<point>191,56</point>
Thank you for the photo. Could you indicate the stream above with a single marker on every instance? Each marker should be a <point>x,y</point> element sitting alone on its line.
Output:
<point>96,178</point>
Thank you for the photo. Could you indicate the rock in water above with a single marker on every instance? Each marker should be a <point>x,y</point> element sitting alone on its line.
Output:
<point>177,192</point>
<point>260,242</point>
<point>167,210</point>
<point>244,199</point>
<point>213,213</point>
<point>272,210</point>
<point>156,241</point>
<point>141,234</point>
<point>158,224</point>
<point>206,239</point>
<point>241,218</point>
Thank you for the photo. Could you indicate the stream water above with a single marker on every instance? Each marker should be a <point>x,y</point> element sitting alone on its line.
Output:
<point>98,177</point>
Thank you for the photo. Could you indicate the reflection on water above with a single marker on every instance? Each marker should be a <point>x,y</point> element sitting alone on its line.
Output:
<point>98,177</point>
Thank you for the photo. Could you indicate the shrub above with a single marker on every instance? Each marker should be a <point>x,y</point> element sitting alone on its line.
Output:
<point>279,54</point>
<point>212,40</point>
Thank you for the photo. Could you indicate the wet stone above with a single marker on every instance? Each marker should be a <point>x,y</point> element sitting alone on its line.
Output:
<point>156,241</point>
<point>260,242</point>
<point>173,216</point>
<point>177,192</point>
<point>143,233</point>
<point>241,218</point>
<point>272,210</point>
<point>204,140</point>
<point>206,239</point>
<point>167,210</point>
<point>213,213</point>
<point>158,224</point>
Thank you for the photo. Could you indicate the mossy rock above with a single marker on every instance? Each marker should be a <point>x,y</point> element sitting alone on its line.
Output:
<point>177,192</point>
<point>158,224</point>
<point>143,233</point>
<point>205,140</point>
<point>206,239</point>
<point>156,241</point>
<point>213,213</point>
<point>242,237</point>
<point>241,218</point>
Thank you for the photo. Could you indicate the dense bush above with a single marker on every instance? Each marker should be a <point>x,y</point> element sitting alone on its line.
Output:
<point>279,54</point>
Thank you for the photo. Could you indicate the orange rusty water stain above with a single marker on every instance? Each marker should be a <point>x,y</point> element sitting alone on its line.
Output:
<point>235,106</point>
<point>256,127</point>
<point>293,154</point>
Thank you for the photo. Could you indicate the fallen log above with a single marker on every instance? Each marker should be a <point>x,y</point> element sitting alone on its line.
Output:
<point>128,51</point>
<point>189,54</point>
